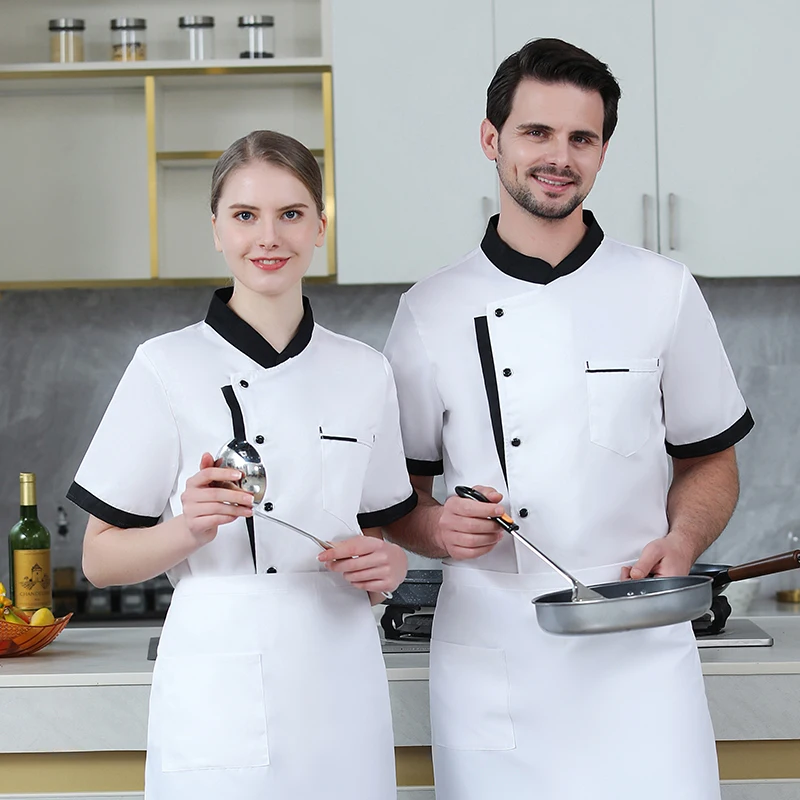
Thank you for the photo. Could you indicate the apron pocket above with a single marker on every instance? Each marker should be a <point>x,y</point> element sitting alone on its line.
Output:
<point>622,397</point>
<point>344,464</point>
<point>214,715</point>
<point>470,702</point>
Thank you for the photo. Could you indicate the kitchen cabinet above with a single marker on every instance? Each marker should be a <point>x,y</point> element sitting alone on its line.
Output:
<point>413,188</point>
<point>107,165</point>
<point>698,81</point>
<point>620,34</point>
<point>727,93</point>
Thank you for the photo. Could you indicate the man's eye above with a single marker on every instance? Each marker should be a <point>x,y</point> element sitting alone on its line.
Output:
<point>244,216</point>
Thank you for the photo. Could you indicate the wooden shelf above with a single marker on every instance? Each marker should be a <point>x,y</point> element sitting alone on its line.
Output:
<point>122,283</point>
<point>193,158</point>
<point>139,69</point>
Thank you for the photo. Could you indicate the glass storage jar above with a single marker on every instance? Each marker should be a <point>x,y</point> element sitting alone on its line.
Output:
<point>200,36</point>
<point>66,40</point>
<point>128,39</point>
<point>260,33</point>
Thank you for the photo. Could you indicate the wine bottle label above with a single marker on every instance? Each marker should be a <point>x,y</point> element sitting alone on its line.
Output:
<point>32,586</point>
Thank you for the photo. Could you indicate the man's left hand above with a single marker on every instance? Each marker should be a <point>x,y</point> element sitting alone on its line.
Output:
<point>663,558</point>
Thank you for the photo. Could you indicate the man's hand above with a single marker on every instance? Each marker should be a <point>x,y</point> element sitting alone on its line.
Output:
<point>663,558</point>
<point>464,529</point>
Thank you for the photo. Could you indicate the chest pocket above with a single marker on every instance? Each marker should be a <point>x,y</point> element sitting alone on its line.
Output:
<point>623,395</point>
<point>345,456</point>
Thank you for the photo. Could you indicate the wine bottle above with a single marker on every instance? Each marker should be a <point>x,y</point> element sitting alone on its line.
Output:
<point>29,553</point>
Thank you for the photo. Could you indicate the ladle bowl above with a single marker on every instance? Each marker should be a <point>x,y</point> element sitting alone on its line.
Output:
<point>242,456</point>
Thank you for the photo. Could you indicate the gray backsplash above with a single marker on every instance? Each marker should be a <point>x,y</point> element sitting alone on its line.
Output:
<point>64,351</point>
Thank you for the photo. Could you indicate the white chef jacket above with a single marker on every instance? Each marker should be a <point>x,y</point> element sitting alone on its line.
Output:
<point>566,388</point>
<point>322,414</point>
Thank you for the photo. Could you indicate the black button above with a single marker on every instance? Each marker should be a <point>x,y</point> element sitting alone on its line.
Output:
<point>523,512</point>
<point>498,312</point>
<point>243,384</point>
<point>259,439</point>
<point>515,442</point>
<point>268,506</point>
<point>507,372</point>
<point>271,571</point>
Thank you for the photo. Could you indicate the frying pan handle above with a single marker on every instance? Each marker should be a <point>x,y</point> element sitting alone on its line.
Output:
<point>766,566</point>
<point>473,494</point>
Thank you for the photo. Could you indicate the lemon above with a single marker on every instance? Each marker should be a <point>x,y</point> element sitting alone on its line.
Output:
<point>2,590</point>
<point>44,616</point>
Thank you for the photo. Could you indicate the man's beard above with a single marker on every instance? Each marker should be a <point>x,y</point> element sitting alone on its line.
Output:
<point>522,195</point>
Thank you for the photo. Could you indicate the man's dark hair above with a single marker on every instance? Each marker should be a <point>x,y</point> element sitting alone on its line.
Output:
<point>552,61</point>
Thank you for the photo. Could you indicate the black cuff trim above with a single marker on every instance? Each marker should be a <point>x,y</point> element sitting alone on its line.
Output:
<point>715,444</point>
<point>377,519</point>
<point>113,516</point>
<point>424,468</point>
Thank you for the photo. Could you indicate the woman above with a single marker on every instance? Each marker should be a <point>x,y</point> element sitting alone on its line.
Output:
<point>269,681</point>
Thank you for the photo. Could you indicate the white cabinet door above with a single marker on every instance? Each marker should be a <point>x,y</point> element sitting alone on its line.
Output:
<point>413,188</point>
<point>619,34</point>
<point>727,101</point>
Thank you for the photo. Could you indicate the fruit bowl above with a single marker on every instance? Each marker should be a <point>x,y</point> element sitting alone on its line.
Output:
<point>22,640</point>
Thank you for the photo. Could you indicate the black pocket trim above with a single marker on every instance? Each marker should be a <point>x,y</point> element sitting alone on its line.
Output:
<point>386,516</point>
<point>424,468</point>
<point>715,444</point>
<point>339,438</point>
<point>113,516</point>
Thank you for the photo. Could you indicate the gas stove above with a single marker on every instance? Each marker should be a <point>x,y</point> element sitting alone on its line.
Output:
<point>411,634</point>
<point>738,632</point>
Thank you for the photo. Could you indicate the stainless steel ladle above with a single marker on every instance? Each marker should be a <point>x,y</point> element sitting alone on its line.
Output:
<point>242,456</point>
<point>580,592</point>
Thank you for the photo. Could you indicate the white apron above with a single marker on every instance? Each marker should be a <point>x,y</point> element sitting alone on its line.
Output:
<point>520,713</point>
<point>269,687</point>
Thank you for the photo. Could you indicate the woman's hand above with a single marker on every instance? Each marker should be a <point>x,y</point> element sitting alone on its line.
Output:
<point>368,563</point>
<point>206,506</point>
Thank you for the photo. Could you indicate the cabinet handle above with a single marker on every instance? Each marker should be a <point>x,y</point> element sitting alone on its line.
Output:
<point>646,221</point>
<point>672,204</point>
<point>488,207</point>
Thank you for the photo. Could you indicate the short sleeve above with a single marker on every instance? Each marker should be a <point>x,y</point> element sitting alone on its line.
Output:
<point>387,494</point>
<point>129,471</point>
<point>421,407</point>
<point>704,410</point>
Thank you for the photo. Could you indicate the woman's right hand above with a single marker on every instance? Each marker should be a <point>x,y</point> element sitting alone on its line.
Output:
<point>207,506</point>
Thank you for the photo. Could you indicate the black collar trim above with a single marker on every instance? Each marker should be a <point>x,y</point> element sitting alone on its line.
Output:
<point>536,270</point>
<point>237,332</point>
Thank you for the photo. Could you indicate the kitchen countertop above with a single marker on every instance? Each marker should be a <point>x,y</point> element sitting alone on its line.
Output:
<point>118,657</point>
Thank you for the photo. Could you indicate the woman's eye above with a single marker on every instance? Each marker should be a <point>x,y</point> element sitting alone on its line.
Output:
<point>244,216</point>
<point>293,214</point>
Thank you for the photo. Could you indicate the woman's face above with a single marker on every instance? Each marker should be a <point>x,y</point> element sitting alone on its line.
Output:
<point>267,227</point>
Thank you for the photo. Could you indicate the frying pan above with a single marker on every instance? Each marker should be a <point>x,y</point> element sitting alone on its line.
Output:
<point>655,601</point>
<point>634,604</point>
<point>723,574</point>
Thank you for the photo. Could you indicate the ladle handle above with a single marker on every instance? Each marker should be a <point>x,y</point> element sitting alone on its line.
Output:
<point>511,527</point>
<point>473,494</point>
<point>765,566</point>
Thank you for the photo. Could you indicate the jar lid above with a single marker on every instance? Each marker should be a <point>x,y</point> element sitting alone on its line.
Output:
<point>256,21</point>
<point>67,24</point>
<point>195,22</point>
<point>128,23</point>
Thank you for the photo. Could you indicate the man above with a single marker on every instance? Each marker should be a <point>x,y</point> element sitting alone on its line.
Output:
<point>558,371</point>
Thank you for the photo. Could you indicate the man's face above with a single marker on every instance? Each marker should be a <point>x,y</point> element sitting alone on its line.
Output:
<point>550,149</point>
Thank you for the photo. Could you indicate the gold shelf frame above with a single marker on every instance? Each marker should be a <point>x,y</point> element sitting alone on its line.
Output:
<point>154,156</point>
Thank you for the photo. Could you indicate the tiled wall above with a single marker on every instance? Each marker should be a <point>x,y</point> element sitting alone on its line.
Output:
<point>62,353</point>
